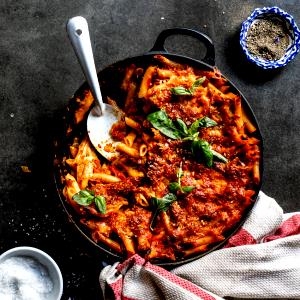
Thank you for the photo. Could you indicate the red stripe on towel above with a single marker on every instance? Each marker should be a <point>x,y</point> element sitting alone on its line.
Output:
<point>242,237</point>
<point>127,298</point>
<point>133,260</point>
<point>117,288</point>
<point>180,281</point>
<point>291,226</point>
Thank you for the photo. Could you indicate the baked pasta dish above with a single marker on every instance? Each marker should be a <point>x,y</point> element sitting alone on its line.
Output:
<point>188,168</point>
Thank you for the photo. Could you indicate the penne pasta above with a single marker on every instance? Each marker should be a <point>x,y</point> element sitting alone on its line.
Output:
<point>127,150</point>
<point>133,124</point>
<point>132,171</point>
<point>143,243</point>
<point>99,237</point>
<point>84,171</point>
<point>127,79</point>
<point>146,82</point>
<point>72,186</point>
<point>129,139</point>
<point>141,199</point>
<point>163,73</point>
<point>73,150</point>
<point>167,223</point>
<point>128,243</point>
<point>146,137</point>
<point>256,172</point>
<point>215,91</point>
<point>72,163</point>
<point>130,95</point>
<point>143,150</point>
<point>167,62</point>
<point>102,177</point>
<point>248,124</point>
<point>84,106</point>
<point>195,250</point>
<point>238,114</point>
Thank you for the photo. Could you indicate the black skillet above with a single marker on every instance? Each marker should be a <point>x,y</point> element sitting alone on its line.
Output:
<point>110,79</point>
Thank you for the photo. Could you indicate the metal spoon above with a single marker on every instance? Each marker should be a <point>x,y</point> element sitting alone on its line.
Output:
<point>102,116</point>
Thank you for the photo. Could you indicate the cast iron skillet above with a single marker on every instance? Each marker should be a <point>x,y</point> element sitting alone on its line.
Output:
<point>110,79</point>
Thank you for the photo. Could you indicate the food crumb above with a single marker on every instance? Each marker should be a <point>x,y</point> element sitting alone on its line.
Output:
<point>25,169</point>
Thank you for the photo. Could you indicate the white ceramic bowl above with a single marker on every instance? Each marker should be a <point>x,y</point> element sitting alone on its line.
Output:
<point>44,259</point>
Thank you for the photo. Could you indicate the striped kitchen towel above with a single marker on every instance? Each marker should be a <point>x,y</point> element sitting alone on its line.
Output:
<point>262,261</point>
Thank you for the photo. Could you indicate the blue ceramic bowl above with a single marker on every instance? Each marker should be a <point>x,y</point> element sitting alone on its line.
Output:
<point>290,52</point>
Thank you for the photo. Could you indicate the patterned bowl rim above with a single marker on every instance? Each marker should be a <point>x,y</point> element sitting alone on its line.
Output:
<point>290,52</point>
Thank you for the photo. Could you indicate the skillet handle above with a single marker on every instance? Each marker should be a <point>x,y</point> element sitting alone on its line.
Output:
<point>209,57</point>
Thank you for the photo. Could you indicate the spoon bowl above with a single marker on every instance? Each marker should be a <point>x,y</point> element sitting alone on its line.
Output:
<point>102,116</point>
<point>98,128</point>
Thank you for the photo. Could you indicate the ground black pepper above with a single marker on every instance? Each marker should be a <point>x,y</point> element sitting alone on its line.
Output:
<point>268,38</point>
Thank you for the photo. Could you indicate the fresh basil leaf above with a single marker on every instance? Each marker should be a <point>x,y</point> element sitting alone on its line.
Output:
<point>174,187</point>
<point>161,204</point>
<point>192,137</point>
<point>202,152</point>
<point>204,122</point>
<point>87,193</point>
<point>91,192</point>
<point>182,127</point>
<point>154,201</point>
<point>153,219</point>
<point>219,156</point>
<point>100,203</point>
<point>201,149</point>
<point>197,83</point>
<point>86,197</point>
<point>207,122</point>
<point>166,201</point>
<point>161,121</point>
<point>187,189</point>
<point>180,91</point>
<point>83,197</point>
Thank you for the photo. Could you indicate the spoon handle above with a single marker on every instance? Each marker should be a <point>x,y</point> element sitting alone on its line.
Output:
<point>78,32</point>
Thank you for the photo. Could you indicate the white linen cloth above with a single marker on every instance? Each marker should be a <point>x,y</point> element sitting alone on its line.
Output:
<point>262,261</point>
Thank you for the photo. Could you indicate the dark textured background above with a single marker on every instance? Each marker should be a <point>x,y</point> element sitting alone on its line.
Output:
<point>39,72</point>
